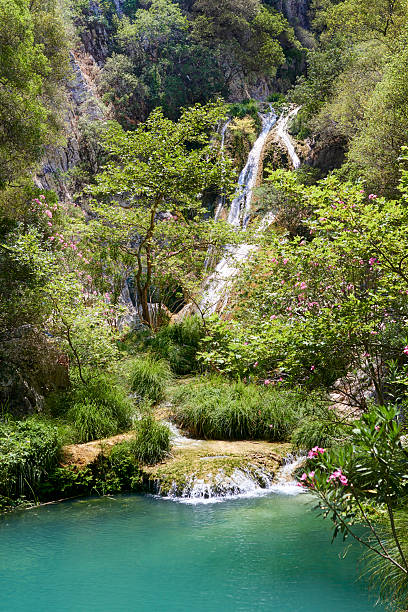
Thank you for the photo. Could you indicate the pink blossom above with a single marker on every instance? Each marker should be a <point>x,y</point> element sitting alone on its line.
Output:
<point>405,350</point>
<point>303,285</point>
<point>377,428</point>
<point>49,224</point>
<point>48,213</point>
<point>52,238</point>
<point>267,381</point>
<point>303,476</point>
<point>285,261</point>
<point>312,368</point>
<point>255,364</point>
<point>372,196</point>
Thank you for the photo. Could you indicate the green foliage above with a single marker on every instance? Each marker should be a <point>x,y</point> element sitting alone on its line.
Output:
<point>149,378</point>
<point>178,343</point>
<point>161,168</point>
<point>29,450</point>
<point>151,443</point>
<point>321,427</point>
<point>32,66</point>
<point>97,409</point>
<point>91,421</point>
<point>369,471</point>
<point>213,408</point>
<point>329,303</point>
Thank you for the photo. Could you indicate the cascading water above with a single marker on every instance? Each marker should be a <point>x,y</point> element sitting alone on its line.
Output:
<point>216,293</point>
<point>221,202</point>
<point>283,136</point>
<point>240,210</point>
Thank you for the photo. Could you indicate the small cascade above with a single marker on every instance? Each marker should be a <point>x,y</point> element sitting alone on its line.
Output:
<point>177,438</point>
<point>285,482</point>
<point>250,481</point>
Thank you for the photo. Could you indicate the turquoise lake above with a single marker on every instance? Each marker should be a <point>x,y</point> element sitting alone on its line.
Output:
<point>141,553</point>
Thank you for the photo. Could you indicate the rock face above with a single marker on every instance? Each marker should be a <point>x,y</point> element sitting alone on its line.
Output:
<point>30,367</point>
<point>82,103</point>
<point>296,12</point>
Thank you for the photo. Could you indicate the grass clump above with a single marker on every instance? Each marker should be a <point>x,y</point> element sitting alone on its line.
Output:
<point>92,421</point>
<point>213,408</point>
<point>150,445</point>
<point>179,343</point>
<point>320,427</point>
<point>98,409</point>
<point>149,378</point>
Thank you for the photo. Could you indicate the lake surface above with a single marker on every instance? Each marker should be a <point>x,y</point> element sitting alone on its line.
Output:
<point>139,553</point>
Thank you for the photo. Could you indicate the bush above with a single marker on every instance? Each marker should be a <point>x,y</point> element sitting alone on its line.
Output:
<point>179,343</point>
<point>215,409</point>
<point>92,421</point>
<point>149,378</point>
<point>98,409</point>
<point>28,450</point>
<point>152,441</point>
<point>322,428</point>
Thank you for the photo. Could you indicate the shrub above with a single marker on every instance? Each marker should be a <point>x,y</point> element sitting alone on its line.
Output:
<point>149,378</point>
<point>98,409</point>
<point>322,427</point>
<point>179,343</point>
<point>92,421</point>
<point>215,409</point>
<point>28,450</point>
<point>152,441</point>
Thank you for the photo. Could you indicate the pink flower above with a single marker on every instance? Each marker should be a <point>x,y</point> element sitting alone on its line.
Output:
<point>255,364</point>
<point>52,238</point>
<point>48,213</point>
<point>312,368</point>
<point>343,480</point>
<point>267,381</point>
<point>372,196</point>
<point>405,350</point>
<point>311,474</point>
<point>377,428</point>
<point>303,285</point>
<point>285,261</point>
<point>303,476</point>
<point>49,224</point>
<point>272,317</point>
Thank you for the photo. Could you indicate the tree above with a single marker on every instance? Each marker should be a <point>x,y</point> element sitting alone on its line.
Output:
<point>329,303</point>
<point>383,130</point>
<point>148,201</point>
<point>32,67</point>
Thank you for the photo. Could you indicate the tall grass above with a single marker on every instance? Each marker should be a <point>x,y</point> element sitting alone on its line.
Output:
<point>98,409</point>
<point>150,445</point>
<point>215,409</point>
<point>149,378</point>
<point>92,421</point>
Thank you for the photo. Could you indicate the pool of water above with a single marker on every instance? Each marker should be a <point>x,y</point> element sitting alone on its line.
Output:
<point>141,554</point>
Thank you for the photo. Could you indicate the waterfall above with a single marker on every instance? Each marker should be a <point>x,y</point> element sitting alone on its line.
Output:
<point>241,205</point>
<point>284,137</point>
<point>216,293</point>
<point>221,202</point>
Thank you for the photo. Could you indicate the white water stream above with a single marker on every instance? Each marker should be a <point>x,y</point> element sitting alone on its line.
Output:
<point>216,293</point>
<point>249,481</point>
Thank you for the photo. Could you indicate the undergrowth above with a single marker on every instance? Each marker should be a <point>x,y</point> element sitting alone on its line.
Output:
<point>149,378</point>
<point>215,409</point>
